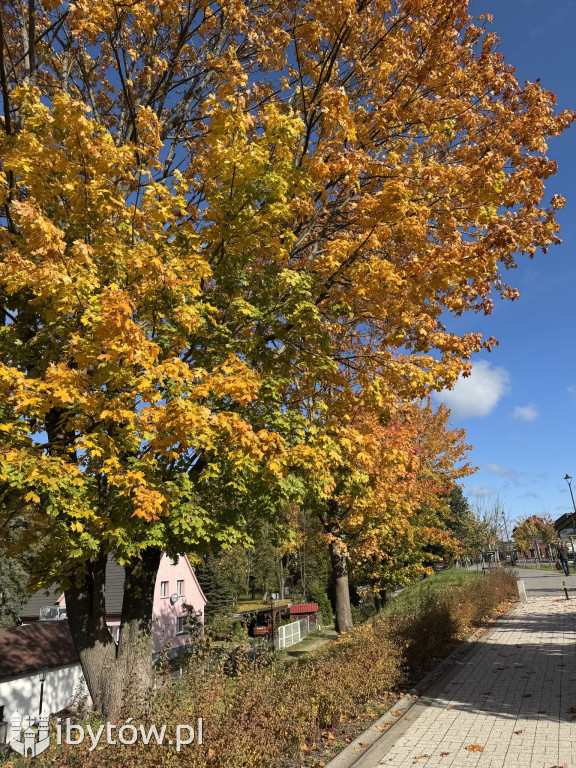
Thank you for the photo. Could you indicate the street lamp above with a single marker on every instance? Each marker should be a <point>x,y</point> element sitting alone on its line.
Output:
<point>42,676</point>
<point>569,481</point>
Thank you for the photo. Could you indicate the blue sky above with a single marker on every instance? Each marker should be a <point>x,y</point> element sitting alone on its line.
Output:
<point>519,405</point>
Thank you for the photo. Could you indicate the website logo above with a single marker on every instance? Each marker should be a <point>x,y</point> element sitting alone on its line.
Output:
<point>31,742</point>
<point>24,739</point>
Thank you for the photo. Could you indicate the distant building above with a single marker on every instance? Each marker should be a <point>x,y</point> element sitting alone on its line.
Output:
<point>176,585</point>
<point>44,640</point>
<point>565,529</point>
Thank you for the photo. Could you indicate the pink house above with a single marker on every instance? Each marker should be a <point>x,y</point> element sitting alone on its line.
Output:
<point>176,585</point>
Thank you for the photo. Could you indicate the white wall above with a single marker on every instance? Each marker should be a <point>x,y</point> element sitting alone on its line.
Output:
<point>22,693</point>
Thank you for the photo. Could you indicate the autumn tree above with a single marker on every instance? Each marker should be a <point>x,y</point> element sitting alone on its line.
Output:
<point>525,533</point>
<point>547,531</point>
<point>390,471</point>
<point>213,212</point>
<point>530,529</point>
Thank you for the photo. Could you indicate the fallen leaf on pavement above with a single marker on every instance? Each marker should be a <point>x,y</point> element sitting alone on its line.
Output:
<point>475,748</point>
<point>518,731</point>
<point>397,712</point>
<point>443,754</point>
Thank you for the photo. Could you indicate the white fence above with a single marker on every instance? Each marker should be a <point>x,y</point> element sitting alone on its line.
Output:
<point>290,634</point>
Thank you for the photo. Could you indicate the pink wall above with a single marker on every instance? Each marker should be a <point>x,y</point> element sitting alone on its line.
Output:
<point>165,614</point>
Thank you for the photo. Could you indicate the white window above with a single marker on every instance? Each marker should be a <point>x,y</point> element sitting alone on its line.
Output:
<point>180,587</point>
<point>180,625</point>
<point>163,589</point>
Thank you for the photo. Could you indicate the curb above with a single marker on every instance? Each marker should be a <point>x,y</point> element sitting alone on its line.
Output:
<point>366,749</point>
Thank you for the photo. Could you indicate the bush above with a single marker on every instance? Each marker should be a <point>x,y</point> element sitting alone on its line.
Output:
<point>443,614</point>
<point>363,612</point>
<point>257,711</point>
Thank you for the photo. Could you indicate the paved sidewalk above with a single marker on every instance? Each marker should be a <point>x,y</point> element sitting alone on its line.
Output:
<point>513,695</point>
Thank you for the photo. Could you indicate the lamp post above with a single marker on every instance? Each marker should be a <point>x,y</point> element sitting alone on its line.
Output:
<point>569,481</point>
<point>42,676</point>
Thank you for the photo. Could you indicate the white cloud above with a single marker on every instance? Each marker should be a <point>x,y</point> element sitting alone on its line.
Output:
<point>477,394</point>
<point>482,491</point>
<point>498,469</point>
<point>525,412</point>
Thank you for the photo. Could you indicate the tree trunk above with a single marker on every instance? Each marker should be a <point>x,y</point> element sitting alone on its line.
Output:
<point>119,678</point>
<point>133,690</point>
<point>281,580</point>
<point>343,612</point>
<point>380,599</point>
<point>86,610</point>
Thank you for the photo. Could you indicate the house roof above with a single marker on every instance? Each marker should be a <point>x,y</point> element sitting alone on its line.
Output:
<point>114,594</point>
<point>41,644</point>
<point>296,608</point>
<point>115,576</point>
<point>202,595</point>
<point>39,600</point>
<point>564,523</point>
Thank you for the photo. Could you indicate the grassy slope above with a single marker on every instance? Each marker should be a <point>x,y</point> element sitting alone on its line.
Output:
<point>412,595</point>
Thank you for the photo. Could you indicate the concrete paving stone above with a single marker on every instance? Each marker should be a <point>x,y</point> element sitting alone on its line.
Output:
<point>519,677</point>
